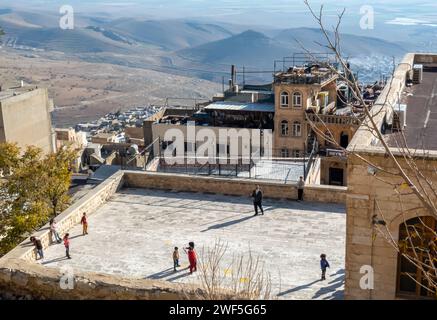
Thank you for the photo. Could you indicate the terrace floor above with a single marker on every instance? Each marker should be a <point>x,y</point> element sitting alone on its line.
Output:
<point>134,234</point>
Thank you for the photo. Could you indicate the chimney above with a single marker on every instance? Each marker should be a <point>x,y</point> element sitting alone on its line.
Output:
<point>233,76</point>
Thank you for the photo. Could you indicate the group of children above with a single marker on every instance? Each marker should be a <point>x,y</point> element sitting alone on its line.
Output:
<point>56,238</point>
<point>192,257</point>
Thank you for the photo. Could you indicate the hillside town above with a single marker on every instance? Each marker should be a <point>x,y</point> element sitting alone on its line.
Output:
<point>316,183</point>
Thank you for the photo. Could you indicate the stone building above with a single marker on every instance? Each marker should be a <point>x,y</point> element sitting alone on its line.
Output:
<point>25,118</point>
<point>297,91</point>
<point>306,112</point>
<point>68,137</point>
<point>302,106</point>
<point>379,202</point>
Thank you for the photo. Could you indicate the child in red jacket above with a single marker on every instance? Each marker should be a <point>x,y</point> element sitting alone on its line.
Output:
<point>67,245</point>
<point>192,257</point>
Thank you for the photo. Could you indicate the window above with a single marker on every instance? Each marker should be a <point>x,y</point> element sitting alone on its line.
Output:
<point>297,100</point>
<point>344,140</point>
<point>297,130</point>
<point>284,153</point>
<point>296,153</point>
<point>284,128</point>
<point>284,100</point>
<point>416,236</point>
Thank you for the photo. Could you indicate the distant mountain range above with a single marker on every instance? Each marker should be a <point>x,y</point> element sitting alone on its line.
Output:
<point>178,45</point>
<point>253,48</point>
<point>169,35</point>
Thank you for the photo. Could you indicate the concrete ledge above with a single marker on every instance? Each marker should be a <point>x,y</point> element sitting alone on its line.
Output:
<point>20,277</point>
<point>237,187</point>
<point>70,217</point>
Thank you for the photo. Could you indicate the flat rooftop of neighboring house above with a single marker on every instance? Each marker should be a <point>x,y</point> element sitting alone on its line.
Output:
<point>309,74</point>
<point>236,106</point>
<point>7,93</point>
<point>419,106</point>
<point>104,135</point>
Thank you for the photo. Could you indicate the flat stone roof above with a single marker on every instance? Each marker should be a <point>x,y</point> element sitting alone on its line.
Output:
<point>421,113</point>
<point>12,92</point>
<point>134,233</point>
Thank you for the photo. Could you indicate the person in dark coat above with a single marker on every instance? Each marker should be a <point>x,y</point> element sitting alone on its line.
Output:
<point>300,188</point>
<point>257,196</point>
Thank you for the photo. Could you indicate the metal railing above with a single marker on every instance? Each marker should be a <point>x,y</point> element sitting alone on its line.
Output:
<point>148,153</point>
<point>333,119</point>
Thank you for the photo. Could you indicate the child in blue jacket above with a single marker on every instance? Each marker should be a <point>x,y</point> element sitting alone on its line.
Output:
<point>323,265</point>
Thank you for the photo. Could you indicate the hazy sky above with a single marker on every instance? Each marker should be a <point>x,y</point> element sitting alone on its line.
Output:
<point>271,13</point>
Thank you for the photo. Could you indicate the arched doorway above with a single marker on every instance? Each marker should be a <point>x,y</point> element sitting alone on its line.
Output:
<point>418,247</point>
<point>344,139</point>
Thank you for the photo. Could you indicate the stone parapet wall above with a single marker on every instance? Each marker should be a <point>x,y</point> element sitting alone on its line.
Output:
<point>236,187</point>
<point>70,217</point>
<point>22,278</point>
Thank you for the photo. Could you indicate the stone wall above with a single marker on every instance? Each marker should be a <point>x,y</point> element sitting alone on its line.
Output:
<point>334,162</point>
<point>70,217</point>
<point>238,187</point>
<point>25,119</point>
<point>314,173</point>
<point>22,278</point>
<point>370,195</point>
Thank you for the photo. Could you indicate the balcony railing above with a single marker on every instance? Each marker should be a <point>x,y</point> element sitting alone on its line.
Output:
<point>304,78</point>
<point>333,119</point>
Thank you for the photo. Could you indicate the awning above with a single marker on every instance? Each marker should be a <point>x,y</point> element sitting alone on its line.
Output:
<point>238,106</point>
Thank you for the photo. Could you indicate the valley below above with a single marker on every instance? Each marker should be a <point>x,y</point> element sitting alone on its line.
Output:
<point>84,91</point>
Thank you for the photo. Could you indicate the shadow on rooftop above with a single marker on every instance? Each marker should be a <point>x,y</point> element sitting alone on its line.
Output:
<point>161,274</point>
<point>333,290</point>
<point>77,236</point>
<point>298,288</point>
<point>54,260</point>
<point>179,276</point>
<point>229,223</point>
<point>220,198</point>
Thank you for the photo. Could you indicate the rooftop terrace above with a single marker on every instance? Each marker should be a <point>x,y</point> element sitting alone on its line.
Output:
<point>421,113</point>
<point>133,235</point>
<point>12,92</point>
<point>311,74</point>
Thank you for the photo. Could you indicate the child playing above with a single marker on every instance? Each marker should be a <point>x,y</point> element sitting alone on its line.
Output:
<point>176,258</point>
<point>67,245</point>
<point>38,246</point>
<point>192,258</point>
<point>54,231</point>
<point>323,265</point>
<point>84,223</point>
